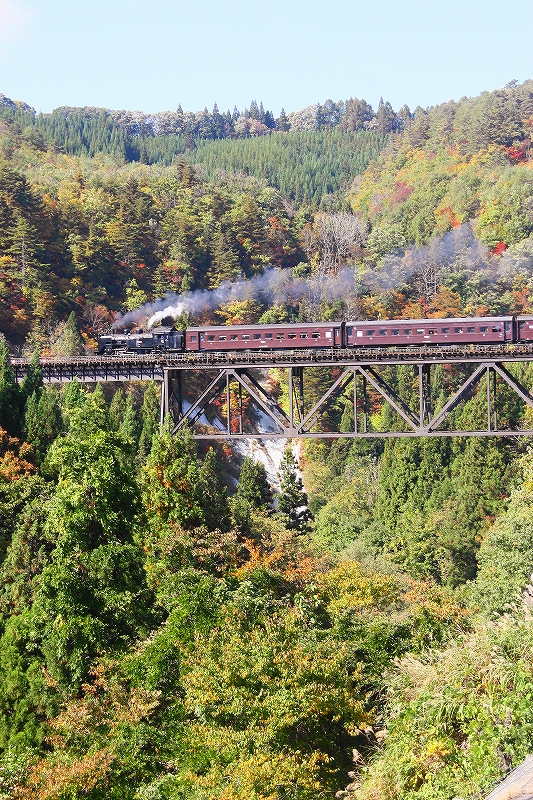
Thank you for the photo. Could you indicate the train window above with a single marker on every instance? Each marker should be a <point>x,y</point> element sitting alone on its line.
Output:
<point>496,329</point>
<point>303,336</point>
<point>257,335</point>
<point>370,333</point>
<point>382,332</point>
<point>507,326</point>
<point>291,335</point>
<point>445,330</point>
<point>432,331</point>
<point>471,329</point>
<point>280,336</point>
<point>349,330</point>
<point>407,332</point>
<point>234,337</point>
<point>202,335</point>
<point>245,337</point>
<point>420,330</point>
<point>221,338</point>
<point>483,328</point>
<point>457,330</point>
<point>211,337</point>
<point>268,336</point>
<point>395,332</point>
<point>193,337</point>
<point>315,336</point>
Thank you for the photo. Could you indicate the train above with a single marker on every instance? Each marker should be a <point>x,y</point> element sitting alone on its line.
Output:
<point>446,332</point>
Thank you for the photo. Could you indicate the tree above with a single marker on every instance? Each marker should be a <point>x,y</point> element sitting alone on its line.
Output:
<point>149,421</point>
<point>33,379</point>
<point>171,481</point>
<point>292,499</point>
<point>214,499</point>
<point>253,486</point>
<point>89,596</point>
<point>42,420</point>
<point>69,342</point>
<point>9,393</point>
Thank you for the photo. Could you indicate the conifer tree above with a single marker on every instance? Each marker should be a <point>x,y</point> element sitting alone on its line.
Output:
<point>292,499</point>
<point>213,497</point>
<point>149,421</point>
<point>253,486</point>
<point>42,420</point>
<point>117,409</point>
<point>33,380</point>
<point>129,426</point>
<point>69,342</point>
<point>9,393</point>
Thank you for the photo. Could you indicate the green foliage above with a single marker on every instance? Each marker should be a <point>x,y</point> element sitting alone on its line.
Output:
<point>292,500</point>
<point>457,717</point>
<point>253,486</point>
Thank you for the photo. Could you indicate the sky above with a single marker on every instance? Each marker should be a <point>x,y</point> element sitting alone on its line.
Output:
<point>152,55</point>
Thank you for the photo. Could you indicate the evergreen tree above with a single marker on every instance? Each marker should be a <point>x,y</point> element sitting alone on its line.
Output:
<point>69,342</point>
<point>292,500</point>
<point>214,499</point>
<point>42,420</point>
<point>253,486</point>
<point>117,409</point>
<point>150,413</point>
<point>10,398</point>
<point>129,426</point>
<point>33,380</point>
<point>225,264</point>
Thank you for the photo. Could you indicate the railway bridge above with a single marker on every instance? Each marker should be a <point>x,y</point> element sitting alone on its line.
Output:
<point>234,395</point>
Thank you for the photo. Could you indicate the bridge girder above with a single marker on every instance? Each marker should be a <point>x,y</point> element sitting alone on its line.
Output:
<point>300,419</point>
<point>228,384</point>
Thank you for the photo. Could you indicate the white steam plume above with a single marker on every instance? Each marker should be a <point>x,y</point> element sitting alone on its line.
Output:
<point>456,253</point>
<point>273,286</point>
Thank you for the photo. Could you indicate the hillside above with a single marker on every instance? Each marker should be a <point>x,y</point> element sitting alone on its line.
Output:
<point>165,631</point>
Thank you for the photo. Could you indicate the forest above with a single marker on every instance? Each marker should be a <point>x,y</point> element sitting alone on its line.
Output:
<point>173,622</point>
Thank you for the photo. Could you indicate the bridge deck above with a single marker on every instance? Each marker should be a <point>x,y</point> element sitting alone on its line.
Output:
<point>127,366</point>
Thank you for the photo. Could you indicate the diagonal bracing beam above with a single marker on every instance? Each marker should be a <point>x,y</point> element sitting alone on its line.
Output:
<point>256,391</point>
<point>198,407</point>
<point>513,383</point>
<point>454,401</point>
<point>390,396</point>
<point>326,400</point>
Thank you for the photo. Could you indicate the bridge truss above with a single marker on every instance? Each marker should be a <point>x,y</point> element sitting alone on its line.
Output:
<point>274,395</point>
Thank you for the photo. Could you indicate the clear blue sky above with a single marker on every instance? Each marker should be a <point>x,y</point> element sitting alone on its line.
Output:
<point>153,54</point>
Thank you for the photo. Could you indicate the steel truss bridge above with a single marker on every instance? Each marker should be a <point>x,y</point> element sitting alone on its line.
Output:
<point>230,395</point>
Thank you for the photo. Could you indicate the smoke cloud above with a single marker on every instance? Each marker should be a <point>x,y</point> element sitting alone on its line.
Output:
<point>457,253</point>
<point>272,287</point>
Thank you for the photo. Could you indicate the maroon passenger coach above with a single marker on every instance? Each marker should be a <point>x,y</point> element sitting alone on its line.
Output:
<point>290,336</point>
<point>450,331</point>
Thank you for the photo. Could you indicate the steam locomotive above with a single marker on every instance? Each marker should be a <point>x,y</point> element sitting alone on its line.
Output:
<point>310,335</point>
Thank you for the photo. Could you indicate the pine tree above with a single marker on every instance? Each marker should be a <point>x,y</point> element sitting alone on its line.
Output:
<point>10,399</point>
<point>214,499</point>
<point>33,380</point>
<point>69,342</point>
<point>253,486</point>
<point>150,412</point>
<point>292,499</point>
